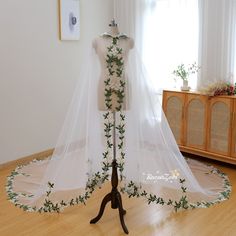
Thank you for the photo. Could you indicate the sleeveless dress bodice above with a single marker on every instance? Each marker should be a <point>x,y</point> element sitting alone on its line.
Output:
<point>101,45</point>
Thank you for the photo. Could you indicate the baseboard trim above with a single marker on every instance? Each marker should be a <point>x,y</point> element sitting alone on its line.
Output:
<point>213,156</point>
<point>24,160</point>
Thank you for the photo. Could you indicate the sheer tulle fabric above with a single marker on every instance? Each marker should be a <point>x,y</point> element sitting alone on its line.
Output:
<point>153,160</point>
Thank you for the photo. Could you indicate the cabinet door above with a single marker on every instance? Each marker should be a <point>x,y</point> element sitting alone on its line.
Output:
<point>196,121</point>
<point>173,106</point>
<point>220,118</point>
<point>233,149</point>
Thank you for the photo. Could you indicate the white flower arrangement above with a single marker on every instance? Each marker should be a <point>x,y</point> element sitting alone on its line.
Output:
<point>219,88</point>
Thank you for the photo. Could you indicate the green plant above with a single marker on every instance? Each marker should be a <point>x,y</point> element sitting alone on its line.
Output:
<point>183,72</point>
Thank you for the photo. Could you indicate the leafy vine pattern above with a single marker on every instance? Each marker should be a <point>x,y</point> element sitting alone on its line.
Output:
<point>114,86</point>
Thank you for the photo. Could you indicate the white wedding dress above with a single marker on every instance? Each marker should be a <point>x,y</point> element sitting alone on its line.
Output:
<point>150,163</point>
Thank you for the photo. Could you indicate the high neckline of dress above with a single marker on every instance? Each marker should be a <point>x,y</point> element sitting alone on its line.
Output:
<point>114,36</point>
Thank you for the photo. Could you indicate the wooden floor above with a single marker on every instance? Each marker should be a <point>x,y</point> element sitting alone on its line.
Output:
<point>141,219</point>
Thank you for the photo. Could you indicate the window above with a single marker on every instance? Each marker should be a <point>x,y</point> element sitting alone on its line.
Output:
<point>170,37</point>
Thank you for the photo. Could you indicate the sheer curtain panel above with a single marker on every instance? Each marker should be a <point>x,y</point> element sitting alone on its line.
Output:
<point>216,41</point>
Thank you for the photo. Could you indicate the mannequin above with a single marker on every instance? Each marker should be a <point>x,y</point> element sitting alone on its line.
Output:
<point>112,49</point>
<point>100,45</point>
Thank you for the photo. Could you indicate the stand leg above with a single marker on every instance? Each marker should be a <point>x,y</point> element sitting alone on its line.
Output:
<point>105,200</point>
<point>118,200</point>
<point>122,212</point>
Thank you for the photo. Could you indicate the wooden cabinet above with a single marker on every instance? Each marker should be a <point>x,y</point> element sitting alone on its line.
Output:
<point>202,125</point>
<point>233,130</point>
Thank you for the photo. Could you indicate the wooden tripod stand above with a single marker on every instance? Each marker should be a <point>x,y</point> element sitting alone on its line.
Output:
<point>114,196</point>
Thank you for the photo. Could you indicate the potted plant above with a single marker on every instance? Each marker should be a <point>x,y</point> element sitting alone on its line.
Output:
<point>183,72</point>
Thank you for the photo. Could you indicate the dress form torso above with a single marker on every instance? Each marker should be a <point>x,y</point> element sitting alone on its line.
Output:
<point>101,45</point>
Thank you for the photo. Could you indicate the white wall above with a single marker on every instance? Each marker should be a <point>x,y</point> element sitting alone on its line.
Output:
<point>38,71</point>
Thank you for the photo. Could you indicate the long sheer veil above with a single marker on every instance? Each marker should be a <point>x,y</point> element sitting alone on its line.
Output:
<point>153,169</point>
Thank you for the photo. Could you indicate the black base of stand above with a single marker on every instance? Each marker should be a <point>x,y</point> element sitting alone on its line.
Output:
<point>115,198</point>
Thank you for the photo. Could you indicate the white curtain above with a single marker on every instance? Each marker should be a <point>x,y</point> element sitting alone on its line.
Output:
<point>217,41</point>
<point>165,32</point>
<point>130,15</point>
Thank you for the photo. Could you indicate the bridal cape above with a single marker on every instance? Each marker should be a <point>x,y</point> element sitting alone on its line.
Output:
<point>149,161</point>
